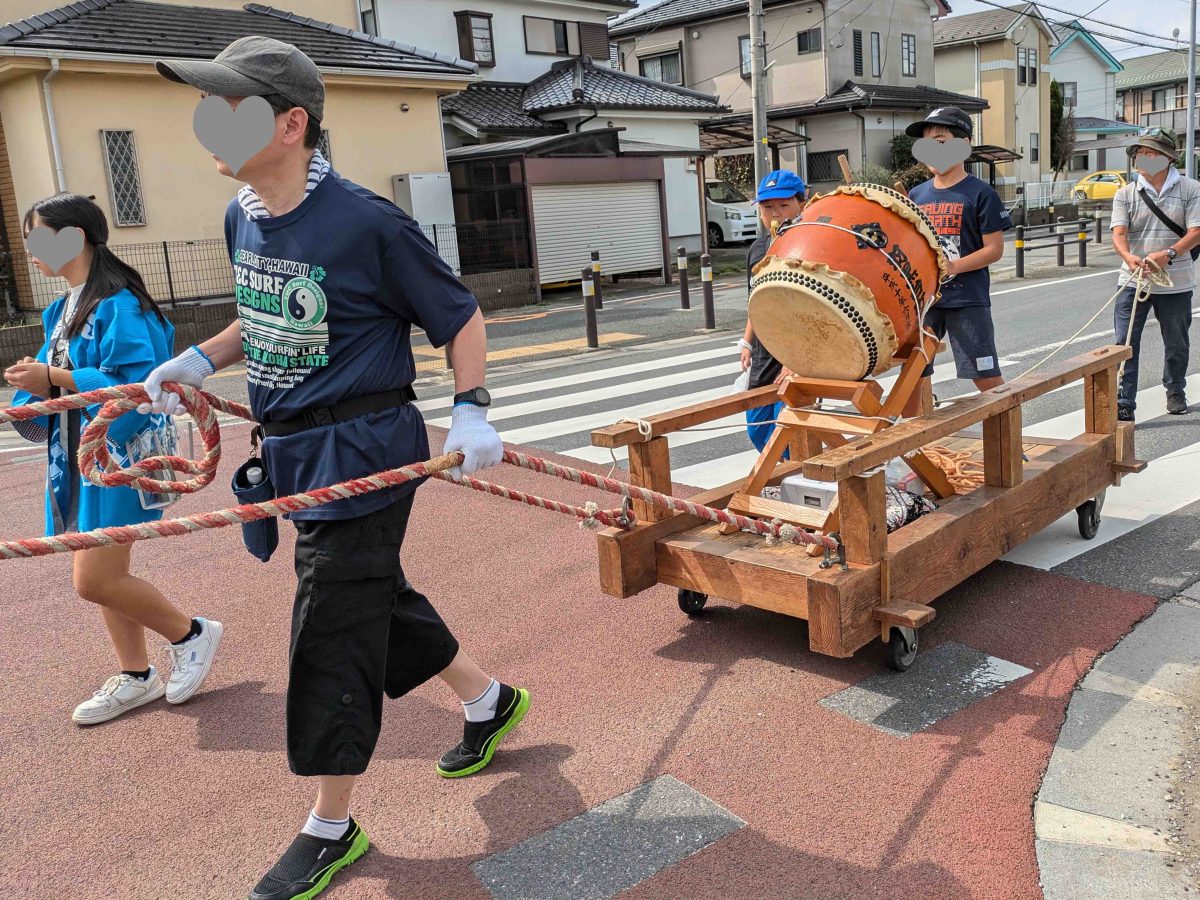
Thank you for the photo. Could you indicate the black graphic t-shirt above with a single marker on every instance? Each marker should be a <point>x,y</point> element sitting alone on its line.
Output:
<point>327,296</point>
<point>963,214</point>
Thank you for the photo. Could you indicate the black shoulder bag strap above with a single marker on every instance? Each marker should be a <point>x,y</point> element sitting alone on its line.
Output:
<point>1169,222</point>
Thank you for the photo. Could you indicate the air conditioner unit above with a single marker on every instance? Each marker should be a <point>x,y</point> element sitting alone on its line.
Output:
<point>425,196</point>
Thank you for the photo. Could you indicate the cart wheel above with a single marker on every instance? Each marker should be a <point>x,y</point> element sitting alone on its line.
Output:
<point>692,602</point>
<point>1089,519</point>
<point>902,648</point>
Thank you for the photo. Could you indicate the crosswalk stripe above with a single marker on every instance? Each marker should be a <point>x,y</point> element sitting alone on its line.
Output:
<point>1151,403</point>
<point>501,413</point>
<point>726,348</point>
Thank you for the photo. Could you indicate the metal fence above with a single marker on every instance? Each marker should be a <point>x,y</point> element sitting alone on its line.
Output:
<point>493,259</point>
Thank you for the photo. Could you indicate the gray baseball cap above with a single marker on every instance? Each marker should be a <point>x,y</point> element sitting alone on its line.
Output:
<point>251,67</point>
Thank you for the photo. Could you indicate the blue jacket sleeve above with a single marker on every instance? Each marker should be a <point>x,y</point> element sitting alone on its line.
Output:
<point>23,398</point>
<point>126,351</point>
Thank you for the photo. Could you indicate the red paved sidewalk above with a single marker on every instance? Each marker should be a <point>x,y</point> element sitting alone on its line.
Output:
<point>195,801</point>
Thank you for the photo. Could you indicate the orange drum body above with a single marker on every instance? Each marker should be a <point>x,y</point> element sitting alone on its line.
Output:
<point>841,289</point>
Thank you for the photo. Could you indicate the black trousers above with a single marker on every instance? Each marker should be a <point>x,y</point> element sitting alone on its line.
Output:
<point>359,630</point>
<point>1174,314</point>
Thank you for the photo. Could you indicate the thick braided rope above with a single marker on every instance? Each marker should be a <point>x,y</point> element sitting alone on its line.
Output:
<point>591,515</point>
<point>119,400</point>
<point>773,532</point>
<point>96,464</point>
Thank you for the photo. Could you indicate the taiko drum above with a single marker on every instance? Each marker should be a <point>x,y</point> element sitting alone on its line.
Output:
<point>841,290</point>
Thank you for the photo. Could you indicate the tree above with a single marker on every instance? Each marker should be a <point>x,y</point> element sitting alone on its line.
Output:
<point>902,156</point>
<point>1062,131</point>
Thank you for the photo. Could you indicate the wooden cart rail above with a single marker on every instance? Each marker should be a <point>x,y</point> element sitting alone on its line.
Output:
<point>1000,411</point>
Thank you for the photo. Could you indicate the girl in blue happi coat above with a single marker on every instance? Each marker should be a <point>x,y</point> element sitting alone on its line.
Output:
<point>105,330</point>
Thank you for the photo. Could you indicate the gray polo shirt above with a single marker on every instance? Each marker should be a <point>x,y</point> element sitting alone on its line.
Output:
<point>1180,201</point>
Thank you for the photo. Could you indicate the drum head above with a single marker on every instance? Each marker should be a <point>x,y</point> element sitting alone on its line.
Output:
<point>820,323</point>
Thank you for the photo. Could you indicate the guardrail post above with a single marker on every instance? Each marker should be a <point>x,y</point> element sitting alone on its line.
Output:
<point>1020,247</point>
<point>597,280</point>
<point>170,280</point>
<point>589,309</point>
<point>1099,229</point>
<point>1083,240</point>
<point>681,261</point>
<point>706,283</point>
<point>1062,244</point>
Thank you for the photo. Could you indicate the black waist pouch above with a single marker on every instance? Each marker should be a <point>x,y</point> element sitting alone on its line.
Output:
<point>251,484</point>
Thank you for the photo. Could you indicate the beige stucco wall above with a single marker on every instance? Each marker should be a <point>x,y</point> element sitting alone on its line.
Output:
<point>339,12</point>
<point>890,21</point>
<point>184,195</point>
<point>712,63</point>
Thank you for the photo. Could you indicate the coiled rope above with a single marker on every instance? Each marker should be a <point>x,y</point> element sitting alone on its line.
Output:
<point>97,466</point>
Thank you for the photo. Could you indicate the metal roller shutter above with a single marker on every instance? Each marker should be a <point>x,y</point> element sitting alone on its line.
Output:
<point>620,219</point>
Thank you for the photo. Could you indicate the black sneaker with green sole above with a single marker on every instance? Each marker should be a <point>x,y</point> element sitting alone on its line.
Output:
<point>480,738</point>
<point>309,863</point>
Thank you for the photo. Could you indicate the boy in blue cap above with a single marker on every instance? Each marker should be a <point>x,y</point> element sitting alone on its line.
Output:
<point>780,198</point>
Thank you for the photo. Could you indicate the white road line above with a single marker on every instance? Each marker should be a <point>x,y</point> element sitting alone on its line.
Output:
<point>1151,403</point>
<point>1037,284</point>
<point>549,384</point>
<point>587,422</point>
<point>583,398</point>
<point>1168,484</point>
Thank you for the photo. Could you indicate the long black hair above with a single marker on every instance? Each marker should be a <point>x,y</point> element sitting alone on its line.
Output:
<point>108,274</point>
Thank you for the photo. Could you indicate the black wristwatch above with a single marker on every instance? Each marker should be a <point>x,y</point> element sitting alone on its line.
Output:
<point>476,396</point>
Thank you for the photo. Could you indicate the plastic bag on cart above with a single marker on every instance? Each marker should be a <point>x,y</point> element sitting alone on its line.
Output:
<point>903,507</point>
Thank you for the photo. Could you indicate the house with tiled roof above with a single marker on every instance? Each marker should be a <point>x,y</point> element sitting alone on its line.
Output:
<point>842,78</point>
<point>1152,90</point>
<point>1087,74</point>
<point>546,69</point>
<point>83,109</point>
<point>1003,56</point>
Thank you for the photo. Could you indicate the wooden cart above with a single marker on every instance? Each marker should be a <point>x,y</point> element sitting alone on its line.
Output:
<point>878,584</point>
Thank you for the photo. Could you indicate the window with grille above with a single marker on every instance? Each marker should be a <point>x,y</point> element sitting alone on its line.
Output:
<point>808,41</point>
<point>666,68</point>
<point>323,146</point>
<point>858,53</point>
<point>824,166</point>
<point>475,37</point>
<point>744,54</point>
<point>908,55</point>
<point>124,181</point>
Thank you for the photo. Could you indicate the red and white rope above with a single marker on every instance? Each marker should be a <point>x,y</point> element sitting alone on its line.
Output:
<point>97,466</point>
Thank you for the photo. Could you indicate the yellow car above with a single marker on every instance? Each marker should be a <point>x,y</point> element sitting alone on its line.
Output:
<point>1099,186</point>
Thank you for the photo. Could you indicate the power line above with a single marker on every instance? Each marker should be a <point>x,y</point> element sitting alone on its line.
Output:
<point>1114,37</point>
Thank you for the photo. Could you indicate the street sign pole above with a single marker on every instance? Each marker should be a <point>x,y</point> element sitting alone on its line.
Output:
<point>758,91</point>
<point>1190,164</point>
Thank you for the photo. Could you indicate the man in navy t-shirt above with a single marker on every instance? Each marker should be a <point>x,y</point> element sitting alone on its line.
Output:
<point>970,222</point>
<point>330,279</point>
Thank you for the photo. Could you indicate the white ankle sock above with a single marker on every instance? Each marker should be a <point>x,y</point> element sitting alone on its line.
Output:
<point>483,707</point>
<point>325,828</point>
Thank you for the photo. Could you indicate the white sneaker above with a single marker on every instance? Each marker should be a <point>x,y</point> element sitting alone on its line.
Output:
<point>191,661</point>
<point>120,694</point>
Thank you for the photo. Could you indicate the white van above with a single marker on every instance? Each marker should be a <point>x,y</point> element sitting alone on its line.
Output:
<point>731,215</point>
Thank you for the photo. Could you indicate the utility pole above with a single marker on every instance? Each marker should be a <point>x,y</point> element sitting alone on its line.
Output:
<point>758,91</point>
<point>1190,165</point>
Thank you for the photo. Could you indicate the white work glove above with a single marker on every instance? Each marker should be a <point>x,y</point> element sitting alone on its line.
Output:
<point>470,432</point>
<point>189,367</point>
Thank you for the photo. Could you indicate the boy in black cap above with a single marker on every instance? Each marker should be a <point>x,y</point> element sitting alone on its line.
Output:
<point>331,279</point>
<point>970,221</point>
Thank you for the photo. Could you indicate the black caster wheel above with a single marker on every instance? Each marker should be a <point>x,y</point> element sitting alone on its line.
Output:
<point>1089,517</point>
<point>902,648</point>
<point>692,602</point>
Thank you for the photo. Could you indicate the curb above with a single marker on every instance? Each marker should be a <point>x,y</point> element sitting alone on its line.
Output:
<point>1113,816</point>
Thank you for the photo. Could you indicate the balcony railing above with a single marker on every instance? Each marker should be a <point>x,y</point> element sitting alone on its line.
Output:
<point>1175,119</point>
